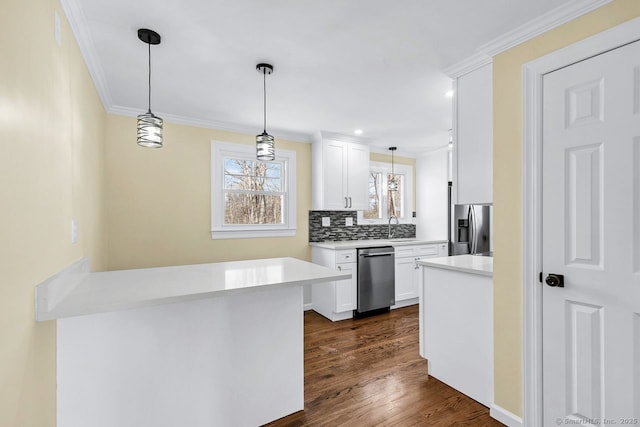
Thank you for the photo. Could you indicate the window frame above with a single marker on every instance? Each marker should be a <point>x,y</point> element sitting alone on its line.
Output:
<point>219,230</point>
<point>407,199</point>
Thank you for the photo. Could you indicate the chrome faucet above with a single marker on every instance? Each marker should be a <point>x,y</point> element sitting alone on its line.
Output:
<point>390,234</point>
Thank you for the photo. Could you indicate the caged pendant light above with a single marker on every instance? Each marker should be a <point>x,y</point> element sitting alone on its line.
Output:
<point>149,125</point>
<point>265,144</point>
<point>392,184</point>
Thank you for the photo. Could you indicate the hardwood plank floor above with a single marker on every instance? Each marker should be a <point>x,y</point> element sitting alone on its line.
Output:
<point>368,372</point>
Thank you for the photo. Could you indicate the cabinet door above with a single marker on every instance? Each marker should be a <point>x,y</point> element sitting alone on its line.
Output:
<point>406,279</point>
<point>334,176</point>
<point>443,249</point>
<point>345,291</point>
<point>474,136</point>
<point>358,176</point>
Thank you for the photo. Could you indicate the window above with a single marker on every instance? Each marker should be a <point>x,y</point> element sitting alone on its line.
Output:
<point>383,203</point>
<point>250,198</point>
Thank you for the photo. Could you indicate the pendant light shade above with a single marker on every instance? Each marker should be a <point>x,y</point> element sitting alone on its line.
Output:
<point>149,125</point>
<point>392,184</point>
<point>265,144</point>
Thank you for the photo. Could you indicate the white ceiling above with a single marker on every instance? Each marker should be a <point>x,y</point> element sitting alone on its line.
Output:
<point>339,64</point>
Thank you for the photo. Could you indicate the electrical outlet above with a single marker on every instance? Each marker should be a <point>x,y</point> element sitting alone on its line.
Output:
<point>348,222</point>
<point>326,221</point>
<point>74,231</point>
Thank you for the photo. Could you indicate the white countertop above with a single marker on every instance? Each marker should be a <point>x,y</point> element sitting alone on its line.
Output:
<point>482,265</point>
<point>355,244</point>
<point>75,292</point>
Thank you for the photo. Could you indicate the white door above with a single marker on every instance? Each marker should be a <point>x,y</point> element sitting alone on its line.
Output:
<point>591,235</point>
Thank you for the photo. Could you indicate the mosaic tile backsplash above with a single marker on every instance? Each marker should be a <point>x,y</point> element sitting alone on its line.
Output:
<point>339,231</point>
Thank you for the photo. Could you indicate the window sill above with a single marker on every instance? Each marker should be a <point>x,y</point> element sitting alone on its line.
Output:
<point>251,234</point>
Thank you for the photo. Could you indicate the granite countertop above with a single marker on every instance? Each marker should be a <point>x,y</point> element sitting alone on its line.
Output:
<point>75,291</point>
<point>355,244</point>
<point>482,265</point>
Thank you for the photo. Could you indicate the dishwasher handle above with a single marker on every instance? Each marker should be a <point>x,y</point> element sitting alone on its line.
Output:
<point>375,255</point>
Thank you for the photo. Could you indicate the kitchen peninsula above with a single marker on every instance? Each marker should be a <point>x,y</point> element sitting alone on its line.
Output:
<point>196,345</point>
<point>456,323</point>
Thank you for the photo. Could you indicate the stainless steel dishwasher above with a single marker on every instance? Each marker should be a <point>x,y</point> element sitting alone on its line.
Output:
<point>376,280</point>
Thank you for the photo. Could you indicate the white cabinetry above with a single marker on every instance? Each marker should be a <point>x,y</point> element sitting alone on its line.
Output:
<point>473,137</point>
<point>408,273</point>
<point>456,328</point>
<point>340,173</point>
<point>337,300</point>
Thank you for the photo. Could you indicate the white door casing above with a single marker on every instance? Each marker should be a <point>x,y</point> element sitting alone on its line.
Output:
<point>591,141</point>
<point>584,316</point>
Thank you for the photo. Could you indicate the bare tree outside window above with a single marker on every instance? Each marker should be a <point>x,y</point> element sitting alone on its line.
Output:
<point>394,200</point>
<point>253,192</point>
<point>374,196</point>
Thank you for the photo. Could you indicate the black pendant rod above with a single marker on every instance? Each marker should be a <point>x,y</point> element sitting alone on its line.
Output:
<point>264,82</point>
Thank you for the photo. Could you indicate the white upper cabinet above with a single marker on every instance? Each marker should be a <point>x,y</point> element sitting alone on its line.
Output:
<point>473,137</point>
<point>340,174</point>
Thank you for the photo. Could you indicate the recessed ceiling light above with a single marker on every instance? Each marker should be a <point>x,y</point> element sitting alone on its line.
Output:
<point>449,94</point>
<point>358,131</point>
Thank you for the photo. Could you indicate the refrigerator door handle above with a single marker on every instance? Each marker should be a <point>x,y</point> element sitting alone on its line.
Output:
<point>473,240</point>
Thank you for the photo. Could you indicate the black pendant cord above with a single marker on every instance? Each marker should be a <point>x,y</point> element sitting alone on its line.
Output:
<point>264,82</point>
<point>149,45</point>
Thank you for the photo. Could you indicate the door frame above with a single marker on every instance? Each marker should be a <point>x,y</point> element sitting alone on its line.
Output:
<point>532,86</point>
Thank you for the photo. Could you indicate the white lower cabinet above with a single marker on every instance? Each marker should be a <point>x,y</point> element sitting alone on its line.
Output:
<point>336,300</point>
<point>408,272</point>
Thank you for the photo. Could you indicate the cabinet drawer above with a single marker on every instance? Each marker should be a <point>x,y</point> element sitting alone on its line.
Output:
<point>427,250</point>
<point>416,251</point>
<point>346,256</point>
<point>405,251</point>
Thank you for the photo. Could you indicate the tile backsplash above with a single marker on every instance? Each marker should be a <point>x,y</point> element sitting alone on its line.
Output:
<point>338,230</point>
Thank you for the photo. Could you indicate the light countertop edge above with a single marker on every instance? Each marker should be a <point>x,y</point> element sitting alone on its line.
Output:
<point>126,289</point>
<point>355,244</point>
<point>466,263</point>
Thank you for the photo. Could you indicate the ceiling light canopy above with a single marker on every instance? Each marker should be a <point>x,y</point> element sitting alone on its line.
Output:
<point>149,125</point>
<point>265,144</point>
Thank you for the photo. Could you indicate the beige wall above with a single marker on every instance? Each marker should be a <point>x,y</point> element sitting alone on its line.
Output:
<point>51,157</point>
<point>158,200</point>
<point>507,187</point>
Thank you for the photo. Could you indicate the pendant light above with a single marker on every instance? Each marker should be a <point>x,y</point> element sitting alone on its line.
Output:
<point>265,144</point>
<point>392,184</point>
<point>149,125</point>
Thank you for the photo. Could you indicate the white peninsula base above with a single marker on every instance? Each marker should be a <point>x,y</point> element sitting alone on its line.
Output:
<point>200,346</point>
<point>456,327</point>
<point>233,361</point>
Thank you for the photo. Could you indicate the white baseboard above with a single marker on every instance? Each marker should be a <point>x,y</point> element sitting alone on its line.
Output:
<point>505,417</point>
<point>307,306</point>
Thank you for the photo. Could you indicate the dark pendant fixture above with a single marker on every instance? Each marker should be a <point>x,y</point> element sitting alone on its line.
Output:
<point>265,144</point>
<point>392,184</point>
<point>149,125</point>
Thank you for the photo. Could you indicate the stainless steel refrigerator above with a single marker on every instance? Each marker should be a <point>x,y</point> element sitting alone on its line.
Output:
<point>469,231</point>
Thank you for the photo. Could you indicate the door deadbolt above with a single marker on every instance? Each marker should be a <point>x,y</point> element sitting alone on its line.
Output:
<point>555,280</point>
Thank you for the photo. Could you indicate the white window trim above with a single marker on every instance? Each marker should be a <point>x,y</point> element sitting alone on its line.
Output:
<point>407,200</point>
<point>221,231</point>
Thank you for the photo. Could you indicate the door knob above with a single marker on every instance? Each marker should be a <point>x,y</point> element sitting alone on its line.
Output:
<point>555,280</point>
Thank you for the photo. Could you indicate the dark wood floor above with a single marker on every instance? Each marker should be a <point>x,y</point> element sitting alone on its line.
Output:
<point>368,372</point>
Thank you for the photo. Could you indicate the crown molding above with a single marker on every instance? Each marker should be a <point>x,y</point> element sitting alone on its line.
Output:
<point>79,28</point>
<point>477,60</point>
<point>550,20</point>
<point>212,124</point>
